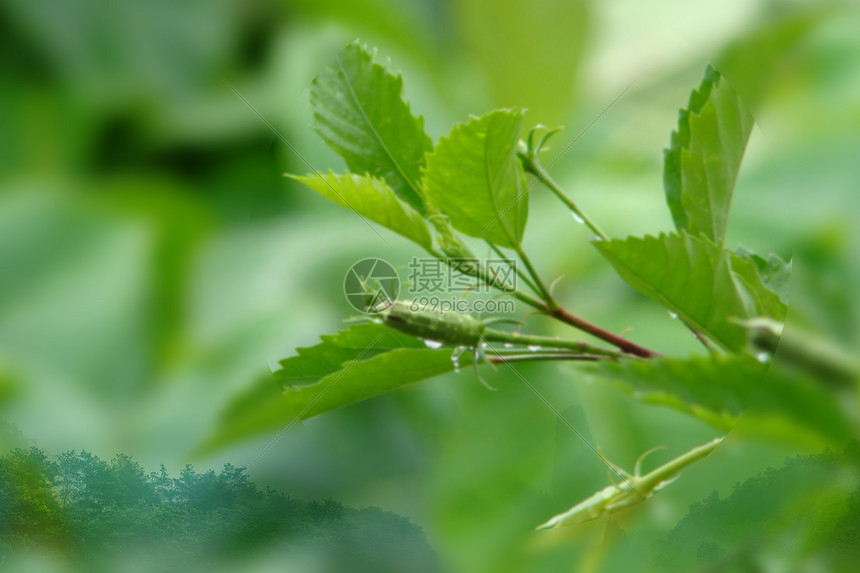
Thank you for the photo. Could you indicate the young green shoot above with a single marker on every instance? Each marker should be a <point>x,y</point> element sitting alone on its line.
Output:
<point>634,488</point>
<point>530,157</point>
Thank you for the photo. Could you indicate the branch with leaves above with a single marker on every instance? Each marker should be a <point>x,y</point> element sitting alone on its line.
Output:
<point>475,182</point>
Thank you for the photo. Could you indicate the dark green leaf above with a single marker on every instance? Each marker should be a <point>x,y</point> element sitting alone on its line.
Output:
<point>373,199</point>
<point>805,511</point>
<point>704,156</point>
<point>475,178</point>
<point>699,280</point>
<point>359,113</point>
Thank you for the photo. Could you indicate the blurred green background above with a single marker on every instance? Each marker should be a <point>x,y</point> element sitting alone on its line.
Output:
<point>154,262</point>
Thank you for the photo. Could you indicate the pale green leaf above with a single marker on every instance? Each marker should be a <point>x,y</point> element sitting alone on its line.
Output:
<point>702,162</point>
<point>475,178</point>
<point>694,278</point>
<point>359,113</point>
<point>372,199</point>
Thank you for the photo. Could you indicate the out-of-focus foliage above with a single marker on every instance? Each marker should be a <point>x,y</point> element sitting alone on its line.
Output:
<point>760,522</point>
<point>91,514</point>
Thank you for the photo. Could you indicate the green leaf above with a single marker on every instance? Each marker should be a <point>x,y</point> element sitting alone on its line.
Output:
<point>697,279</point>
<point>761,300</point>
<point>774,272</point>
<point>715,390</point>
<point>475,178</point>
<point>702,162</point>
<point>358,342</point>
<point>353,365</point>
<point>373,199</point>
<point>359,114</point>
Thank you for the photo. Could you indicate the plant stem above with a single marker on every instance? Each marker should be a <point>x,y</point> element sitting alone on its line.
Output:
<point>554,310</point>
<point>550,307</point>
<point>623,344</point>
<point>516,268</point>
<point>533,272</point>
<point>533,166</point>
<point>545,342</point>
<point>505,358</point>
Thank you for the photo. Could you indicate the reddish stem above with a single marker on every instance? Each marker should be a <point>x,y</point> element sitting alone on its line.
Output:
<point>621,343</point>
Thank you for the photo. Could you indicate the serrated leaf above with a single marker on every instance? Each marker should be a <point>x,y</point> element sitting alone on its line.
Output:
<point>715,390</point>
<point>695,278</point>
<point>358,342</point>
<point>774,272</point>
<point>373,199</point>
<point>355,364</point>
<point>475,178</point>
<point>703,159</point>
<point>359,113</point>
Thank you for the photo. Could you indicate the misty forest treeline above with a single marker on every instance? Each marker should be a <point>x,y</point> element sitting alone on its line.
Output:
<point>83,509</point>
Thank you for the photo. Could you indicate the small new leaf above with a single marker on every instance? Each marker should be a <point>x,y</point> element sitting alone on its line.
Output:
<point>702,162</point>
<point>774,272</point>
<point>359,113</point>
<point>373,199</point>
<point>475,178</point>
